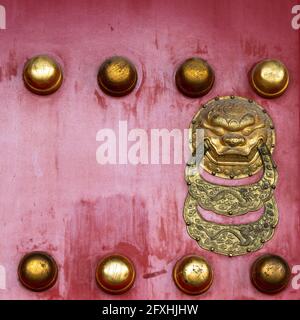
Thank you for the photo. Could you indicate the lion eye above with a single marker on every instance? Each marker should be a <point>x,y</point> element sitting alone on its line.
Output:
<point>247,120</point>
<point>247,131</point>
<point>217,120</point>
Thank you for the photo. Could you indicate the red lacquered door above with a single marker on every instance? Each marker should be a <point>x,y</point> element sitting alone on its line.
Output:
<point>55,195</point>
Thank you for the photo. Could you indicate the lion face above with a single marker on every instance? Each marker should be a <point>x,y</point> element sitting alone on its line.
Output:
<point>233,129</point>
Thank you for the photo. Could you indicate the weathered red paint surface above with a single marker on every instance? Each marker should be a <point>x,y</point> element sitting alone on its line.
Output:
<point>54,195</point>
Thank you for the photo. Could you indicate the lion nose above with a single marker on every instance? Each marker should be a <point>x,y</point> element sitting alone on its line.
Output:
<point>234,139</point>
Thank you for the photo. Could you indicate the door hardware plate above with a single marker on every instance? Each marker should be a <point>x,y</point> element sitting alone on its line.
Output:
<point>233,128</point>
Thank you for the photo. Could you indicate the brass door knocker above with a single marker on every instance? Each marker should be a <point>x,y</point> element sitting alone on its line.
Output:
<point>238,141</point>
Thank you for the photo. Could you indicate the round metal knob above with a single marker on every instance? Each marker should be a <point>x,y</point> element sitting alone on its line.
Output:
<point>115,274</point>
<point>270,274</point>
<point>269,78</point>
<point>193,275</point>
<point>42,75</point>
<point>194,78</point>
<point>37,271</point>
<point>117,76</point>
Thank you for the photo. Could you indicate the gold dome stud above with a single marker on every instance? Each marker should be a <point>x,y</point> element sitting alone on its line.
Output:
<point>194,78</point>
<point>193,275</point>
<point>115,274</point>
<point>270,274</point>
<point>37,271</point>
<point>117,76</point>
<point>269,78</point>
<point>42,75</point>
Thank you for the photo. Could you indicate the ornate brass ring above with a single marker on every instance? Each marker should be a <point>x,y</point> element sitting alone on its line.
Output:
<point>233,200</point>
<point>231,240</point>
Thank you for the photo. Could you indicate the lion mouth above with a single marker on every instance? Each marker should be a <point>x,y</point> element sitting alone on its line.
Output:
<point>233,155</point>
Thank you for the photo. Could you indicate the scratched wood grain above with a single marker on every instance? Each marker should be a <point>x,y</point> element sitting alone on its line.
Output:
<point>56,197</point>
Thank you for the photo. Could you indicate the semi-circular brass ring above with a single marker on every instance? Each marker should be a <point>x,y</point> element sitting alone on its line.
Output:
<point>232,200</point>
<point>230,239</point>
